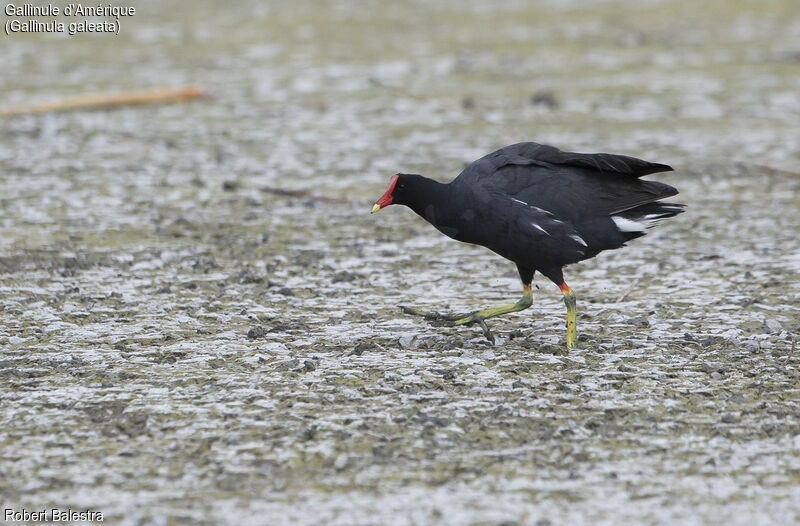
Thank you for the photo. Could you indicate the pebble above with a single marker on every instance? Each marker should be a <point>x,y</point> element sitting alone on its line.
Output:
<point>752,346</point>
<point>341,461</point>
<point>287,365</point>
<point>545,98</point>
<point>639,321</point>
<point>344,276</point>
<point>256,332</point>
<point>364,347</point>
<point>408,342</point>
<point>309,366</point>
<point>247,276</point>
<point>729,418</point>
<point>737,398</point>
<point>516,333</point>
<point>707,341</point>
<point>774,326</point>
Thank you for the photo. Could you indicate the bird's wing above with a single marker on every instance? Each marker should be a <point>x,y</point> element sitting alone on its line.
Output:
<point>531,153</point>
<point>572,186</point>
<point>534,231</point>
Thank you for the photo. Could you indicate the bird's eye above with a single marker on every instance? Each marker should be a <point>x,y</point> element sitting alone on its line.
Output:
<point>402,185</point>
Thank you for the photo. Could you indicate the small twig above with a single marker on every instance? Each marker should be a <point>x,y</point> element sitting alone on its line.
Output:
<point>791,352</point>
<point>108,100</point>
<point>777,170</point>
<point>628,291</point>
<point>284,191</point>
<point>621,298</point>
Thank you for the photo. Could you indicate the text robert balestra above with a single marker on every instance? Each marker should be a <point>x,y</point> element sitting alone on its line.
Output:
<point>52,515</point>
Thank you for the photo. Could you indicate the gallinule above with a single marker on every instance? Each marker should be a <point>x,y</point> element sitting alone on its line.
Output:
<point>541,208</point>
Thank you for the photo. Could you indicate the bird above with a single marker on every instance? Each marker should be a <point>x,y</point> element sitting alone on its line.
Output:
<point>541,208</point>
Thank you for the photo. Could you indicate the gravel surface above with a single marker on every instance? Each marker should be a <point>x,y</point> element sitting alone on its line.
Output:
<point>178,345</point>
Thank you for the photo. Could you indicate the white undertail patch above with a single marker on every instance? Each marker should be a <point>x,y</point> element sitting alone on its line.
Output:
<point>626,225</point>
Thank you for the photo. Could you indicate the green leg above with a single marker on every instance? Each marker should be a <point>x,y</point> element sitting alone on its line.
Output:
<point>571,303</point>
<point>524,302</point>
<point>478,316</point>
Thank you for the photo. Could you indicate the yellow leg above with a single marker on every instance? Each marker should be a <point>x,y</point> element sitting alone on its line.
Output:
<point>571,303</point>
<point>479,316</point>
<point>523,303</point>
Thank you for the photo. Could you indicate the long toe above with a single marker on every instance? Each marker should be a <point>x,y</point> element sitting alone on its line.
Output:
<point>418,312</point>
<point>434,315</point>
<point>475,317</point>
<point>486,332</point>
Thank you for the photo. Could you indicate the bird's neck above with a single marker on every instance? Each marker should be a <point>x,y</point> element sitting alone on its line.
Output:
<point>434,203</point>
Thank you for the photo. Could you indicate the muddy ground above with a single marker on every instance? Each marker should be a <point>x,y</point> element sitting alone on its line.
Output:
<point>179,345</point>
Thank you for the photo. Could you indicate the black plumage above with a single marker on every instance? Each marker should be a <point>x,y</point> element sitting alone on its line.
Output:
<point>541,207</point>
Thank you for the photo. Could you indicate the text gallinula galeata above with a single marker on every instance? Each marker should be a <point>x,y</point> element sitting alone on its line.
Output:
<point>540,207</point>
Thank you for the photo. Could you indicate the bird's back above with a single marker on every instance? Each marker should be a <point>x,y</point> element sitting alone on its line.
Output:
<point>543,207</point>
<point>573,186</point>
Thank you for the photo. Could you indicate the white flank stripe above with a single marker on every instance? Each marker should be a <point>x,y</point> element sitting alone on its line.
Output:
<point>540,228</point>
<point>518,201</point>
<point>542,210</point>
<point>579,239</point>
<point>626,225</point>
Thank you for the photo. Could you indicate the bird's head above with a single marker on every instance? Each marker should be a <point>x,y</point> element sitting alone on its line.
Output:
<point>403,190</point>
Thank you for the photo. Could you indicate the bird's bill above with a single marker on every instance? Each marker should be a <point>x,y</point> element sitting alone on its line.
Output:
<point>386,198</point>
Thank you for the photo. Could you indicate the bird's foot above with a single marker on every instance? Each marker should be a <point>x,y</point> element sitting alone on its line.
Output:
<point>433,315</point>
<point>475,317</point>
<point>453,319</point>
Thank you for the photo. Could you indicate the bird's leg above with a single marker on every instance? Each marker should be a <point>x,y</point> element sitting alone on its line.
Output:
<point>450,317</point>
<point>569,301</point>
<point>479,316</point>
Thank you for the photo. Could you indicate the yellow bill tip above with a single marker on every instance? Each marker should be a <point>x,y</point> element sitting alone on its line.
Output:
<point>375,208</point>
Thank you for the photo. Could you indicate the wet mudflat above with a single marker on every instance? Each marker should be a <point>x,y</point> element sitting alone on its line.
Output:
<point>179,345</point>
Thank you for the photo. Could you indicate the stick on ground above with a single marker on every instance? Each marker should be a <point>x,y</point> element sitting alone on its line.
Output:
<point>108,100</point>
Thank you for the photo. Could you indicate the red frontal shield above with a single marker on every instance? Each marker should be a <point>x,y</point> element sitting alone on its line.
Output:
<point>386,198</point>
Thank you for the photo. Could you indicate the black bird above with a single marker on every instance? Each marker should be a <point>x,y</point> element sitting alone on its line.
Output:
<point>540,207</point>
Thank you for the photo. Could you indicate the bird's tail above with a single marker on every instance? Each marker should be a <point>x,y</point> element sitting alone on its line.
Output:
<point>646,216</point>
